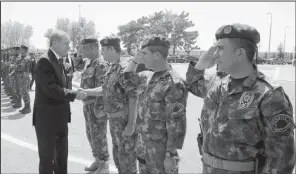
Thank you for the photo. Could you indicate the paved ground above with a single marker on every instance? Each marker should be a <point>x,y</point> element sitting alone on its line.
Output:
<point>18,140</point>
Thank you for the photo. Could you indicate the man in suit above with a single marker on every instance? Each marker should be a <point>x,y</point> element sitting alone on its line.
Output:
<point>51,111</point>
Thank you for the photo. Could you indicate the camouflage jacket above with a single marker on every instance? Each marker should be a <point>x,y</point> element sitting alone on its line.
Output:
<point>92,76</point>
<point>162,100</point>
<point>23,65</point>
<point>253,118</point>
<point>115,96</point>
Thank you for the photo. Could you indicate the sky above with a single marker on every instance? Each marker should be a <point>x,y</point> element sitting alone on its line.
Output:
<point>207,17</point>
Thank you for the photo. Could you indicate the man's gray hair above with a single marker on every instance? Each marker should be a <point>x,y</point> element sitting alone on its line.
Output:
<point>56,36</point>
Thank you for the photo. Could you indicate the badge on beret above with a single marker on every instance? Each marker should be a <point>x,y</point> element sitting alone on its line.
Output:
<point>246,99</point>
<point>281,123</point>
<point>227,30</point>
<point>105,41</point>
<point>176,108</point>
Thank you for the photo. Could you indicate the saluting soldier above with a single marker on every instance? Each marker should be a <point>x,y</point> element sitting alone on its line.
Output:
<point>247,121</point>
<point>162,100</point>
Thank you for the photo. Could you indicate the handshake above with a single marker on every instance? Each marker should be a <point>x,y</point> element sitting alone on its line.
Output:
<point>80,94</point>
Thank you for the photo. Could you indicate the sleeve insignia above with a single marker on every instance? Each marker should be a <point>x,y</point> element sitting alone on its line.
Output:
<point>281,123</point>
<point>246,99</point>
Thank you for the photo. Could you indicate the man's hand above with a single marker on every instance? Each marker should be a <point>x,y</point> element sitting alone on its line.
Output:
<point>171,164</point>
<point>80,95</point>
<point>207,60</point>
<point>129,130</point>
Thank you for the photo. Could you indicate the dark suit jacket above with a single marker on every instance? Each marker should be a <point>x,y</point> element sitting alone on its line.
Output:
<point>52,96</point>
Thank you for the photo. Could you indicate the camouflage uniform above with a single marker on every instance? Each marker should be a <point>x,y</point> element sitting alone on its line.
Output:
<point>247,124</point>
<point>161,121</point>
<point>116,107</point>
<point>13,79</point>
<point>95,117</point>
<point>23,68</point>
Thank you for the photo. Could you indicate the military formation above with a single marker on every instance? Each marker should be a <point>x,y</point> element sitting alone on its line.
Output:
<point>16,66</point>
<point>246,121</point>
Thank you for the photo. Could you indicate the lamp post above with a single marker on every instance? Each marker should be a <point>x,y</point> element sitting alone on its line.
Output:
<point>270,26</point>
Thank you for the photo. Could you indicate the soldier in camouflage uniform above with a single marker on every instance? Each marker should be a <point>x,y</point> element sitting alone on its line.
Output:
<point>17,78</point>
<point>247,123</point>
<point>23,69</point>
<point>13,78</point>
<point>162,100</point>
<point>93,107</point>
<point>120,108</point>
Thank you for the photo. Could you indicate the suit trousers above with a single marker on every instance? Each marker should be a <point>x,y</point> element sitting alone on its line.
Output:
<point>52,148</point>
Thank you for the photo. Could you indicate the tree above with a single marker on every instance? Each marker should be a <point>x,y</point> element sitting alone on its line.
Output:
<point>168,24</point>
<point>15,34</point>
<point>63,24</point>
<point>281,53</point>
<point>48,33</point>
<point>190,41</point>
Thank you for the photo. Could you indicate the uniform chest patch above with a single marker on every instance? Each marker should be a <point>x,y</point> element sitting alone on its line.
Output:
<point>246,99</point>
<point>281,123</point>
<point>176,108</point>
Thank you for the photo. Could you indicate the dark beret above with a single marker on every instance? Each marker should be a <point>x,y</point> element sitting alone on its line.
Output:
<point>242,31</point>
<point>110,41</point>
<point>88,41</point>
<point>155,40</point>
<point>24,47</point>
<point>17,48</point>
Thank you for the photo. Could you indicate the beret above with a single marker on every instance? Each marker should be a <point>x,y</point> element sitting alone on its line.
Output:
<point>155,40</point>
<point>110,41</point>
<point>17,48</point>
<point>24,47</point>
<point>237,30</point>
<point>89,40</point>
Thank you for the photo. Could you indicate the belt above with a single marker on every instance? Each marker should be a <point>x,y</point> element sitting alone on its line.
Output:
<point>238,166</point>
<point>90,101</point>
<point>117,114</point>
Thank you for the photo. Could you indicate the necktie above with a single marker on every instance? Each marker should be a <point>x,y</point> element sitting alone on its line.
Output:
<point>61,61</point>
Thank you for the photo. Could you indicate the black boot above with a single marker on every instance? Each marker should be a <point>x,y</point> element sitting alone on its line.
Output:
<point>26,109</point>
<point>17,104</point>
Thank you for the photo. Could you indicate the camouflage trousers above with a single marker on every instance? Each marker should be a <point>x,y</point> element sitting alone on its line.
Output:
<point>96,131</point>
<point>151,154</point>
<point>24,81</point>
<point>210,170</point>
<point>124,148</point>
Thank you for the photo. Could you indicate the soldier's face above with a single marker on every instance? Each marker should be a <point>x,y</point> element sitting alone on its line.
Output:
<point>89,50</point>
<point>108,53</point>
<point>226,55</point>
<point>23,52</point>
<point>148,58</point>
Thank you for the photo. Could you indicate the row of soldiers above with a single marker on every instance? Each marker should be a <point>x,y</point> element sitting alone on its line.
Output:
<point>246,122</point>
<point>16,66</point>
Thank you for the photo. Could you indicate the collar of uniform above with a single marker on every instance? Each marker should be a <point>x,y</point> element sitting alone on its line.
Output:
<point>163,73</point>
<point>247,83</point>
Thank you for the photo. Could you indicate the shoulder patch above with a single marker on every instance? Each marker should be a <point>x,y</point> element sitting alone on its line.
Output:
<point>246,99</point>
<point>281,123</point>
<point>176,108</point>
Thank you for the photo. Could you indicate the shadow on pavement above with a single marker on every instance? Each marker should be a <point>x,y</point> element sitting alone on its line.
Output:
<point>13,117</point>
<point>5,100</point>
<point>9,109</point>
